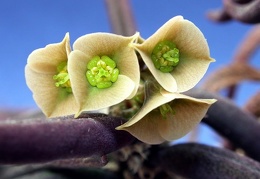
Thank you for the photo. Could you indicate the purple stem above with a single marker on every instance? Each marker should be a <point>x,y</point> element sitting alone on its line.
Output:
<point>46,140</point>
<point>200,161</point>
<point>238,126</point>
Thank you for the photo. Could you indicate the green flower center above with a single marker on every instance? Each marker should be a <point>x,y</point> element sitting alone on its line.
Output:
<point>62,78</point>
<point>165,56</point>
<point>165,110</point>
<point>102,72</point>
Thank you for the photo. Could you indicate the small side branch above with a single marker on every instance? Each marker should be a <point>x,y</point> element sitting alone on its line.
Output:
<point>247,11</point>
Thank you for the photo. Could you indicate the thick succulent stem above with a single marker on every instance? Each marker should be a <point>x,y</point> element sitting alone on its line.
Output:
<point>238,126</point>
<point>200,161</point>
<point>45,140</point>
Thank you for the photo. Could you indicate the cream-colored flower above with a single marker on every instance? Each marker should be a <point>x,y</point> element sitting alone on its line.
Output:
<point>104,70</point>
<point>47,77</point>
<point>165,116</point>
<point>177,55</point>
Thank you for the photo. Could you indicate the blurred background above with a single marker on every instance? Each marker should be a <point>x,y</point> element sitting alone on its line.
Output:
<point>29,24</point>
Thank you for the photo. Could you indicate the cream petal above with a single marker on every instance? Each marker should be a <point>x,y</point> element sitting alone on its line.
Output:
<point>103,98</point>
<point>53,101</point>
<point>146,130</point>
<point>194,55</point>
<point>189,40</point>
<point>116,47</point>
<point>194,51</point>
<point>189,72</point>
<point>153,99</point>
<point>149,126</point>
<point>187,37</point>
<point>160,35</point>
<point>166,80</point>
<point>102,43</point>
<point>77,67</point>
<point>91,98</point>
<point>45,60</point>
<point>188,113</point>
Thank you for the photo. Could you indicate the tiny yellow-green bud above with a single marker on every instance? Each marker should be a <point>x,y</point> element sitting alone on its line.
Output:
<point>62,78</point>
<point>165,110</point>
<point>93,62</point>
<point>165,56</point>
<point>102,72</point>
<point>114,74</point>
<point>109,62</point>
<point>91,78</point>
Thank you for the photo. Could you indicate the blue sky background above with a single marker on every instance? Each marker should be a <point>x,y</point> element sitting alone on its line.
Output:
<point>27,25</point>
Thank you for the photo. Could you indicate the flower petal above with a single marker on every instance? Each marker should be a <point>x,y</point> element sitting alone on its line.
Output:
<point>153,99</point>
<point>168,28</point>
<point>166,80</point>
<point>193,49</point>
<point>149,126</point>
<point>53,101</point>
<point>146,130</point>
<point>144,125</point>
<point>91,98</point>
<point>188,38</point>
<point>116,47</point>
<point>189,72</point>
<point>188,113</point>
<point>45,60</point>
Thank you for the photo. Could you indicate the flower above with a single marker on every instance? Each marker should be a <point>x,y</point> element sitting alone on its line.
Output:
<point>47,77</point>
<point>177,55</point>
<point>104,70</point>
<point>165,116</point>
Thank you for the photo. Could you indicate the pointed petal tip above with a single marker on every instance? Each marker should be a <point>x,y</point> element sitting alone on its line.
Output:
<point>124,126</point>
<point>119,128</point>
<point>212,60</point>
<point>77,115</point>
<point>48,115</point>
<point>212,101</point>
<point>136,35</point>
<point>80,112</point>
<point>67,34</point>
<point>178,17</point>
<point>206,101</point>
<point>134,39</point>
<point>66,38</point>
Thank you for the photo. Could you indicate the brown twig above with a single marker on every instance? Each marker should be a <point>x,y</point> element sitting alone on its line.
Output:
<point>245,52</point>
<point>230,76</point>
<point>121,17</point>
<point>253,104</point>
<point>248,46</point>
<point>247,11</point>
